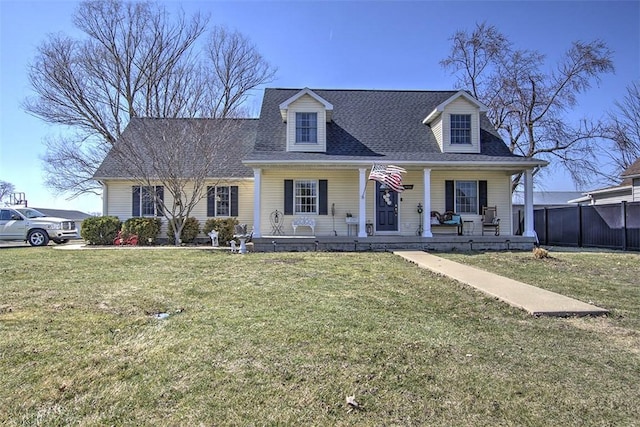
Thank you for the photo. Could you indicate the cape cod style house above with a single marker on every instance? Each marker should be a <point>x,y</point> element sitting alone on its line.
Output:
<point>299,174</point>
<point>627,191</point>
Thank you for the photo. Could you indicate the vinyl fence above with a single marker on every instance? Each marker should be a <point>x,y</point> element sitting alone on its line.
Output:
<point>614,226</point>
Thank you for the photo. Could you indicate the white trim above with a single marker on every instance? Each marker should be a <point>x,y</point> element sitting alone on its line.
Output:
<point>105,198</point>
<point>328,164</point>
<point>306,91</point>
<point>528,204</point>
<point>316,183</point>
<point>426,214</point>
<point>455,197</point>
<point>257,193</point>
<point>621,189</point>
<point>440,108</point>
<point>362,203</point>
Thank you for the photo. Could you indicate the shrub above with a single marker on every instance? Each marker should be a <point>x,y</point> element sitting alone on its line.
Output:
<point>100,230</point>
<point>144,228</point>
<point>189,233</point>
<point>224,227</point>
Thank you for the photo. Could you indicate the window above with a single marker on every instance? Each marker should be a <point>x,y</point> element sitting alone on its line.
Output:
<point>306,196</point>
<point>222,200</point>
<point>305,199</point>
<point>147,200</point>
<point>467,197</point>
<point>306,128</point>
<point>461,129</point>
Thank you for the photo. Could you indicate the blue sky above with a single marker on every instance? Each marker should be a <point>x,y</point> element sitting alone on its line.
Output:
<point>328,44</point>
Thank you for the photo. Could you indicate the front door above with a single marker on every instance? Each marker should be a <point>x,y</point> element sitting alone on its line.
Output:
<point>386,209</point>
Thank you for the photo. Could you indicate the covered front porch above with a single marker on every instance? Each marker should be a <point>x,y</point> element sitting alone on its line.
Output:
<point>348,191</point>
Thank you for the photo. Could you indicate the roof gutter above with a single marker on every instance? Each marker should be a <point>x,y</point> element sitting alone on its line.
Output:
<point>359,163</point>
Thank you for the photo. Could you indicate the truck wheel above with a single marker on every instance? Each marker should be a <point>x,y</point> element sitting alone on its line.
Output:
<point>38,237</point>
<point>60,241</point>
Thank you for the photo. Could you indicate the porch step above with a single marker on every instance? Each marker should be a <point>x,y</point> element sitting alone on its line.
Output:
<point>532,299</point>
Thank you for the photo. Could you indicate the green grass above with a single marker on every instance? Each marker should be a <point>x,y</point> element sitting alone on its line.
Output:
<point>282,339</point>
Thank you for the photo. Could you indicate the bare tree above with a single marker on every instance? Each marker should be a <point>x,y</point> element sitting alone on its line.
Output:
<point>624,132</point>
<point>237,67</point>
<point>6,189</point>
<point>182,156</point>
<point>134,60</point>
<point>530,106</point>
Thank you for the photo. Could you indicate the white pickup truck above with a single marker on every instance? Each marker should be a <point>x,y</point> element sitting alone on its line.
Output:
<point>32,226</point>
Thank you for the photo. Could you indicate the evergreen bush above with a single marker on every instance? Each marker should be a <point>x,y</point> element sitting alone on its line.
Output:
<point>100,230</point>
<point>144,228</point>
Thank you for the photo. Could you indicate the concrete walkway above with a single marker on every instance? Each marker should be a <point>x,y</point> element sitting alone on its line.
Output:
<point>534,300</point>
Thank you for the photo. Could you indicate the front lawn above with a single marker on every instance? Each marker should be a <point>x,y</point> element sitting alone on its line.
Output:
<point>284,338</point>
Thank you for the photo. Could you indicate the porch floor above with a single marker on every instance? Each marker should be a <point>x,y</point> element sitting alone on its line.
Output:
<point>443,243</point>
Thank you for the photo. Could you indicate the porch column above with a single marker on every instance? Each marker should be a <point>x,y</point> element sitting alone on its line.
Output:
<point>105,199</point>
<point>362,206</point>
<point>257,190</point>
<point>426,215</point>
<point>528,204</point>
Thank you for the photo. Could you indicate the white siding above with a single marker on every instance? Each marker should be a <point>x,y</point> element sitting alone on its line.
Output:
<point>460,106</point>
<point>613,198</point>
<point>498,194</point>
<point>120,201</point>
<point>635,190</point>
<point>436,127</point>
<point>343,191</point>
<point>306,104</point>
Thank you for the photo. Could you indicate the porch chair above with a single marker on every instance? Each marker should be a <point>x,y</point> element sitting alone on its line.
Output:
<point>490,219</point>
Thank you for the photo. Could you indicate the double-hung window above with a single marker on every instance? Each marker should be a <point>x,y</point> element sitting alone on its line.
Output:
<point>147,200</point>
<point>222,201</point>
<point>306,128</point>
<point>305,199</point>
<point>461,129</point>
<point>467,197</point>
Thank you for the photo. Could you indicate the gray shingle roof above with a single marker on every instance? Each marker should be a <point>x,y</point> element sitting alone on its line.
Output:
<point>240,136</point>
<point>633,170</point>
<point>371,125</point>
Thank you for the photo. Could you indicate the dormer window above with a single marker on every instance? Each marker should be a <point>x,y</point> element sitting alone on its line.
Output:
<point>461,129</point>
<point>306,115</point>
<point>306,128</point>
<point>455,123</point>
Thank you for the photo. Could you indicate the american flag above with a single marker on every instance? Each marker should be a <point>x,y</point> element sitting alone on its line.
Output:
<point>389,175</point>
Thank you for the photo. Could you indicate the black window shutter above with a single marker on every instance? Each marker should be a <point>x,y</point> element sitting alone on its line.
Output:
<point>449,195</point>
<point>211,201</point>
<point>159,199</point>
<point>322,192</point>
<point>482,195</point>
<point>234,200</point>
<point>135,202</point>
<point>288,197</point>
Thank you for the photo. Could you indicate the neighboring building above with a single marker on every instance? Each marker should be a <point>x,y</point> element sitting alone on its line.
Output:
<point>541,200</point>
<point>627,191</point>
<point>311,151</point>
<point>76,216</point>
<point>546,199</point>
